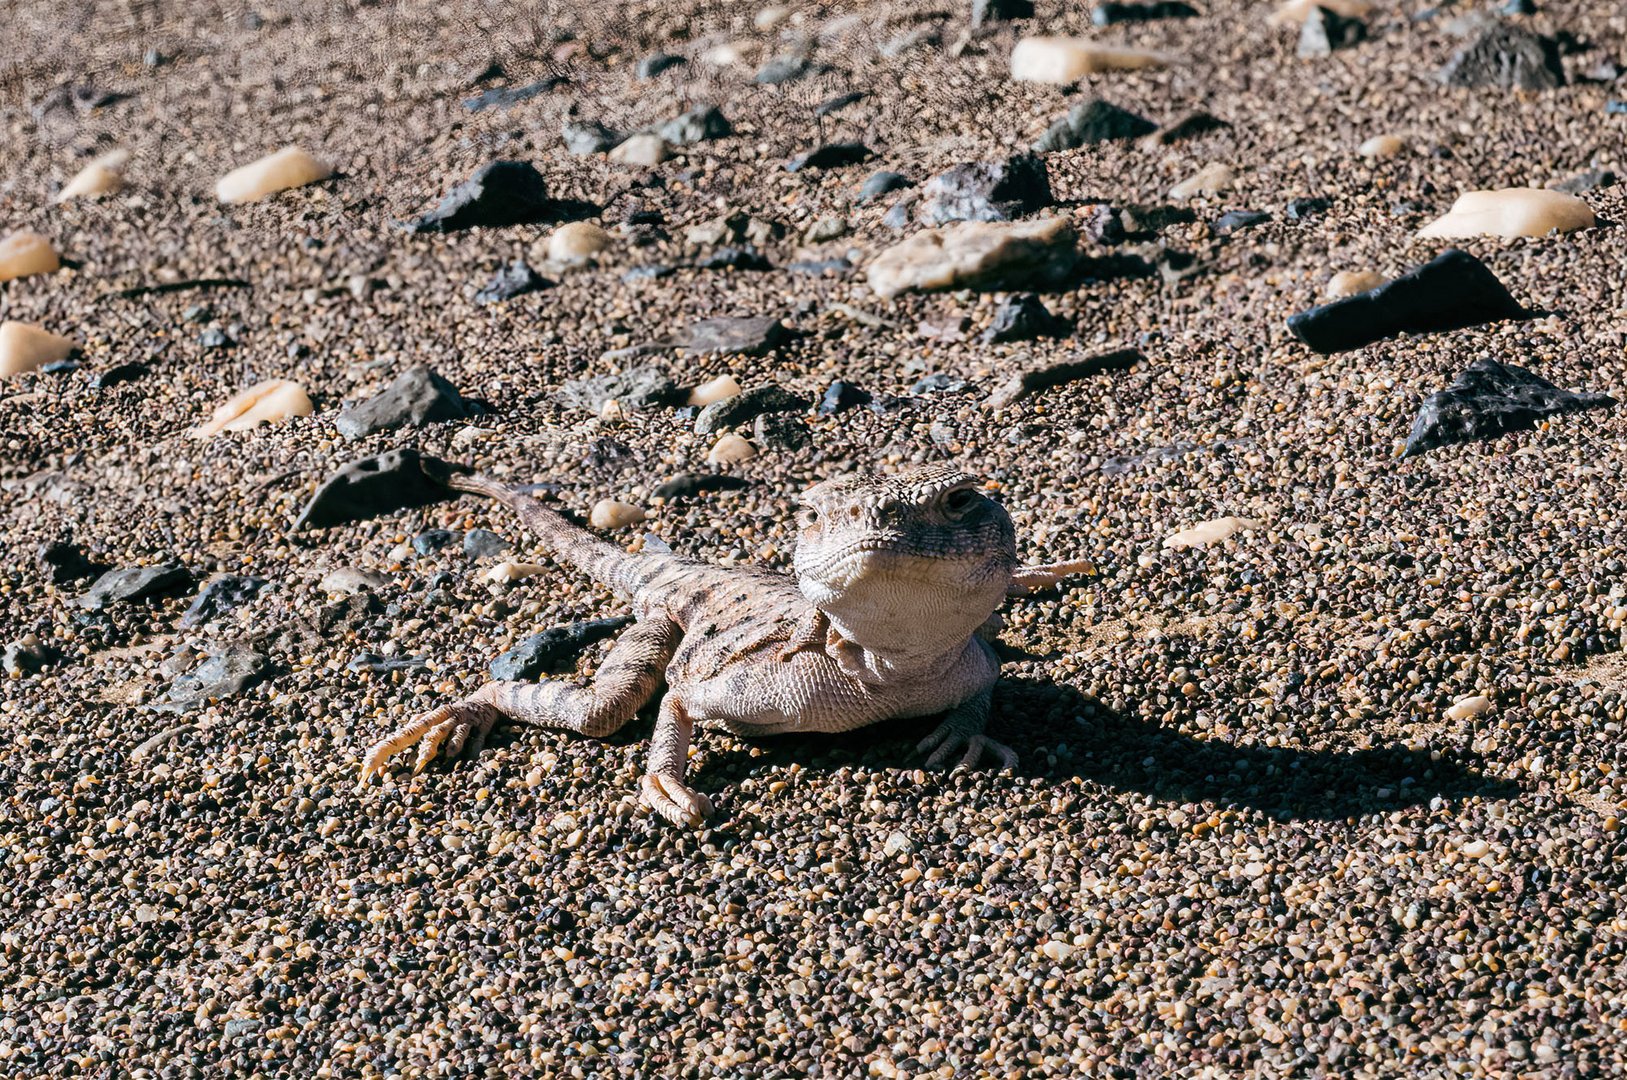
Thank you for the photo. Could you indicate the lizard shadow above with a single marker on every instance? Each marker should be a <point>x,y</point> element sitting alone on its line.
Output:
<point>1062,737</point>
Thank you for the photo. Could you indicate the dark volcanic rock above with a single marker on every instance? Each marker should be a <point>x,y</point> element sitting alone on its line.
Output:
<point>26,657</point>
<point>63,562</point>
<point>1507,57</point>
<point>1305,209</point>
<point>554,648</point>
<point>505,96</point>
<point>393,481</point>
<point>1034,380</point>
<point>1022,317</point>
<point>734,257</point>
<point>689,485</point>
<point>132,584</point>
<point>499,193</point>
<point>512,279</point>
<point>1092,121</point>
<point>782,69</point>
<point>1451,291</point>
<point>231,672</point>
<point>375,664</point>
<point>221,596</point>
<point>418,396</point>
<point>1325,31</point>
<point>434,540</point>
<point>700,124</point>
<point>1197,122</point>
<point>1111,14</point>
<point>1591,180</point>
<point>1491,399</point>
<point>839,102</point>
<point>987,11</point>
<point>656,63</point>
<point>986,191</point>
<point>119,373</point>
<point>881,183</point>
<point>841,396</point>
<point>636,388</point>
<point>1238,220</point>
<point>751,335</point>
<point>484,544</point>
<point>830,156</point>
<point>743,408</point>
<point>838,267</point>
<point>584,137</point>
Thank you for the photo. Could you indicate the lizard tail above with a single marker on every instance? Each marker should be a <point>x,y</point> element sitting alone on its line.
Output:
<point>565,540</point>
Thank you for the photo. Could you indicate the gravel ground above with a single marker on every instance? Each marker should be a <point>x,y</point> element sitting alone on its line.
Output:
<point>1250,835</point>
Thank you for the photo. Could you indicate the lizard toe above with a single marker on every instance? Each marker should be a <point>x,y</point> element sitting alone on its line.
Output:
<point>672,800</point>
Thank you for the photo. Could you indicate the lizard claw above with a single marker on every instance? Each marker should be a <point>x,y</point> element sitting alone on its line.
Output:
<point>947,739</point>
<point>449,726</point>
<point>675,802</point>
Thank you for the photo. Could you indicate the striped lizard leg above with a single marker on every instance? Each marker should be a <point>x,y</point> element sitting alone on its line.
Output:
<point>663,789</point>
<point>630,676</point>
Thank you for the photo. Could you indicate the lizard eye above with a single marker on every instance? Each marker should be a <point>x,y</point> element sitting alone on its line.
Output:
<point>808,518</point>
<point>960,500</point>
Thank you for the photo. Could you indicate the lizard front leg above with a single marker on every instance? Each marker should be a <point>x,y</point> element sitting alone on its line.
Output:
<point>663,788</point>
<point>629,677</point>
<point>1027,579</point>
<point>962,730</point>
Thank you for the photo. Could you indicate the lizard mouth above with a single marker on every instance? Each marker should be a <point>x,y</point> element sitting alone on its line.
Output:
<point>894,557</point>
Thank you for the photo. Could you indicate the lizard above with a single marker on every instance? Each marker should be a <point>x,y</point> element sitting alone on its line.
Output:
<point>897,583</point>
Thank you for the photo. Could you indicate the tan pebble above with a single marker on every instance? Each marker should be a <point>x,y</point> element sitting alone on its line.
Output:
<point>1210,532</point>
<point>970,253</point>
<point>730,450</point>
<point>505,572</point>
<point>25,253</point>
<point>25,347</point>
<point>289,167</point>
<point>1511,212</point>
<point>719,389</point>
<point>1057,950</point>
<point>263,403</point>
<point>1063,60</point>
<point>643,150</point>
<point>102,176</point>
<point>1212,179</point>
<point>1469,706</point>
<point>1294,12</point>
<point>576,242</point>
<point>771,17</point>
<point>729,53</point>
<point>610,514</point>
<point>1475,849</point>
<point>1351,282</point>
<point>1382,146</point>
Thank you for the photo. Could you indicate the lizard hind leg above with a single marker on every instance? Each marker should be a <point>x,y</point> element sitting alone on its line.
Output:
<point>663,789</point>
<point>629,677</point>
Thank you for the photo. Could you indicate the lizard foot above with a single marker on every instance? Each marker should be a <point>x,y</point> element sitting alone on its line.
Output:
<point>675,802</point>
<point>450,725</point>
<point>949,739</point>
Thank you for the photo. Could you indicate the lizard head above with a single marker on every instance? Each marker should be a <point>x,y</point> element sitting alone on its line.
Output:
<point>926,553</point>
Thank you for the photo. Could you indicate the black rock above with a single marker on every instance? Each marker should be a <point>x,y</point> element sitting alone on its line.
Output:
<point>1032,381</point>
<point>656,63</point>
<point>418,396</point>
<point>1451,291</point>
<point>1090,122</point>
<point>838,267</point>
<point>584,137</point>
<point>839,102</point>
<point>1519,7</point>
<point>1104,225</point>
<point>881,183</point>
<point>742,408</point>
<point>120,373</point>
<point>132,584</point>
<point>433,540</point>
<point>499,193</point>
<point>689,485</point>
<point>938,383</point>
<point>648,273</point>
<point>841,396</point>
<point>222,595</point>
<point>1194,123</point>
<point>1507,58</point>
<point>26,657</point>
<point>751,335</point>
<point>987,11</point>
<point>215,338</point>
<point>397,480</point>
<point>231,672</point>
<point>383,665</point>
<point>1325,31</point>
<point>986,191</point>
<point>700,124</point>
<point>643,387</point>
<point>780,431</point>
<point>830,156</point>
<point>734,257</point>
<point>60,367</point>
<point>553,649</point>
<point>64,562</point>
<point>1491,399</point>
<point>512,279</point>
<point>505,96</point>
<point>484,544</point>
<point>1238,220</point>
<point>1022,317</point>
<point>492,70</point>
<point>1175,266</point>
<point>1305,209</point>
<point>1591,180</point>
<point>782,69</point>
<point>1111,14</point>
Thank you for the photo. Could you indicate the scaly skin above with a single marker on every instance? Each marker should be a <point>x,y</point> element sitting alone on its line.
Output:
<point>895,579</point>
